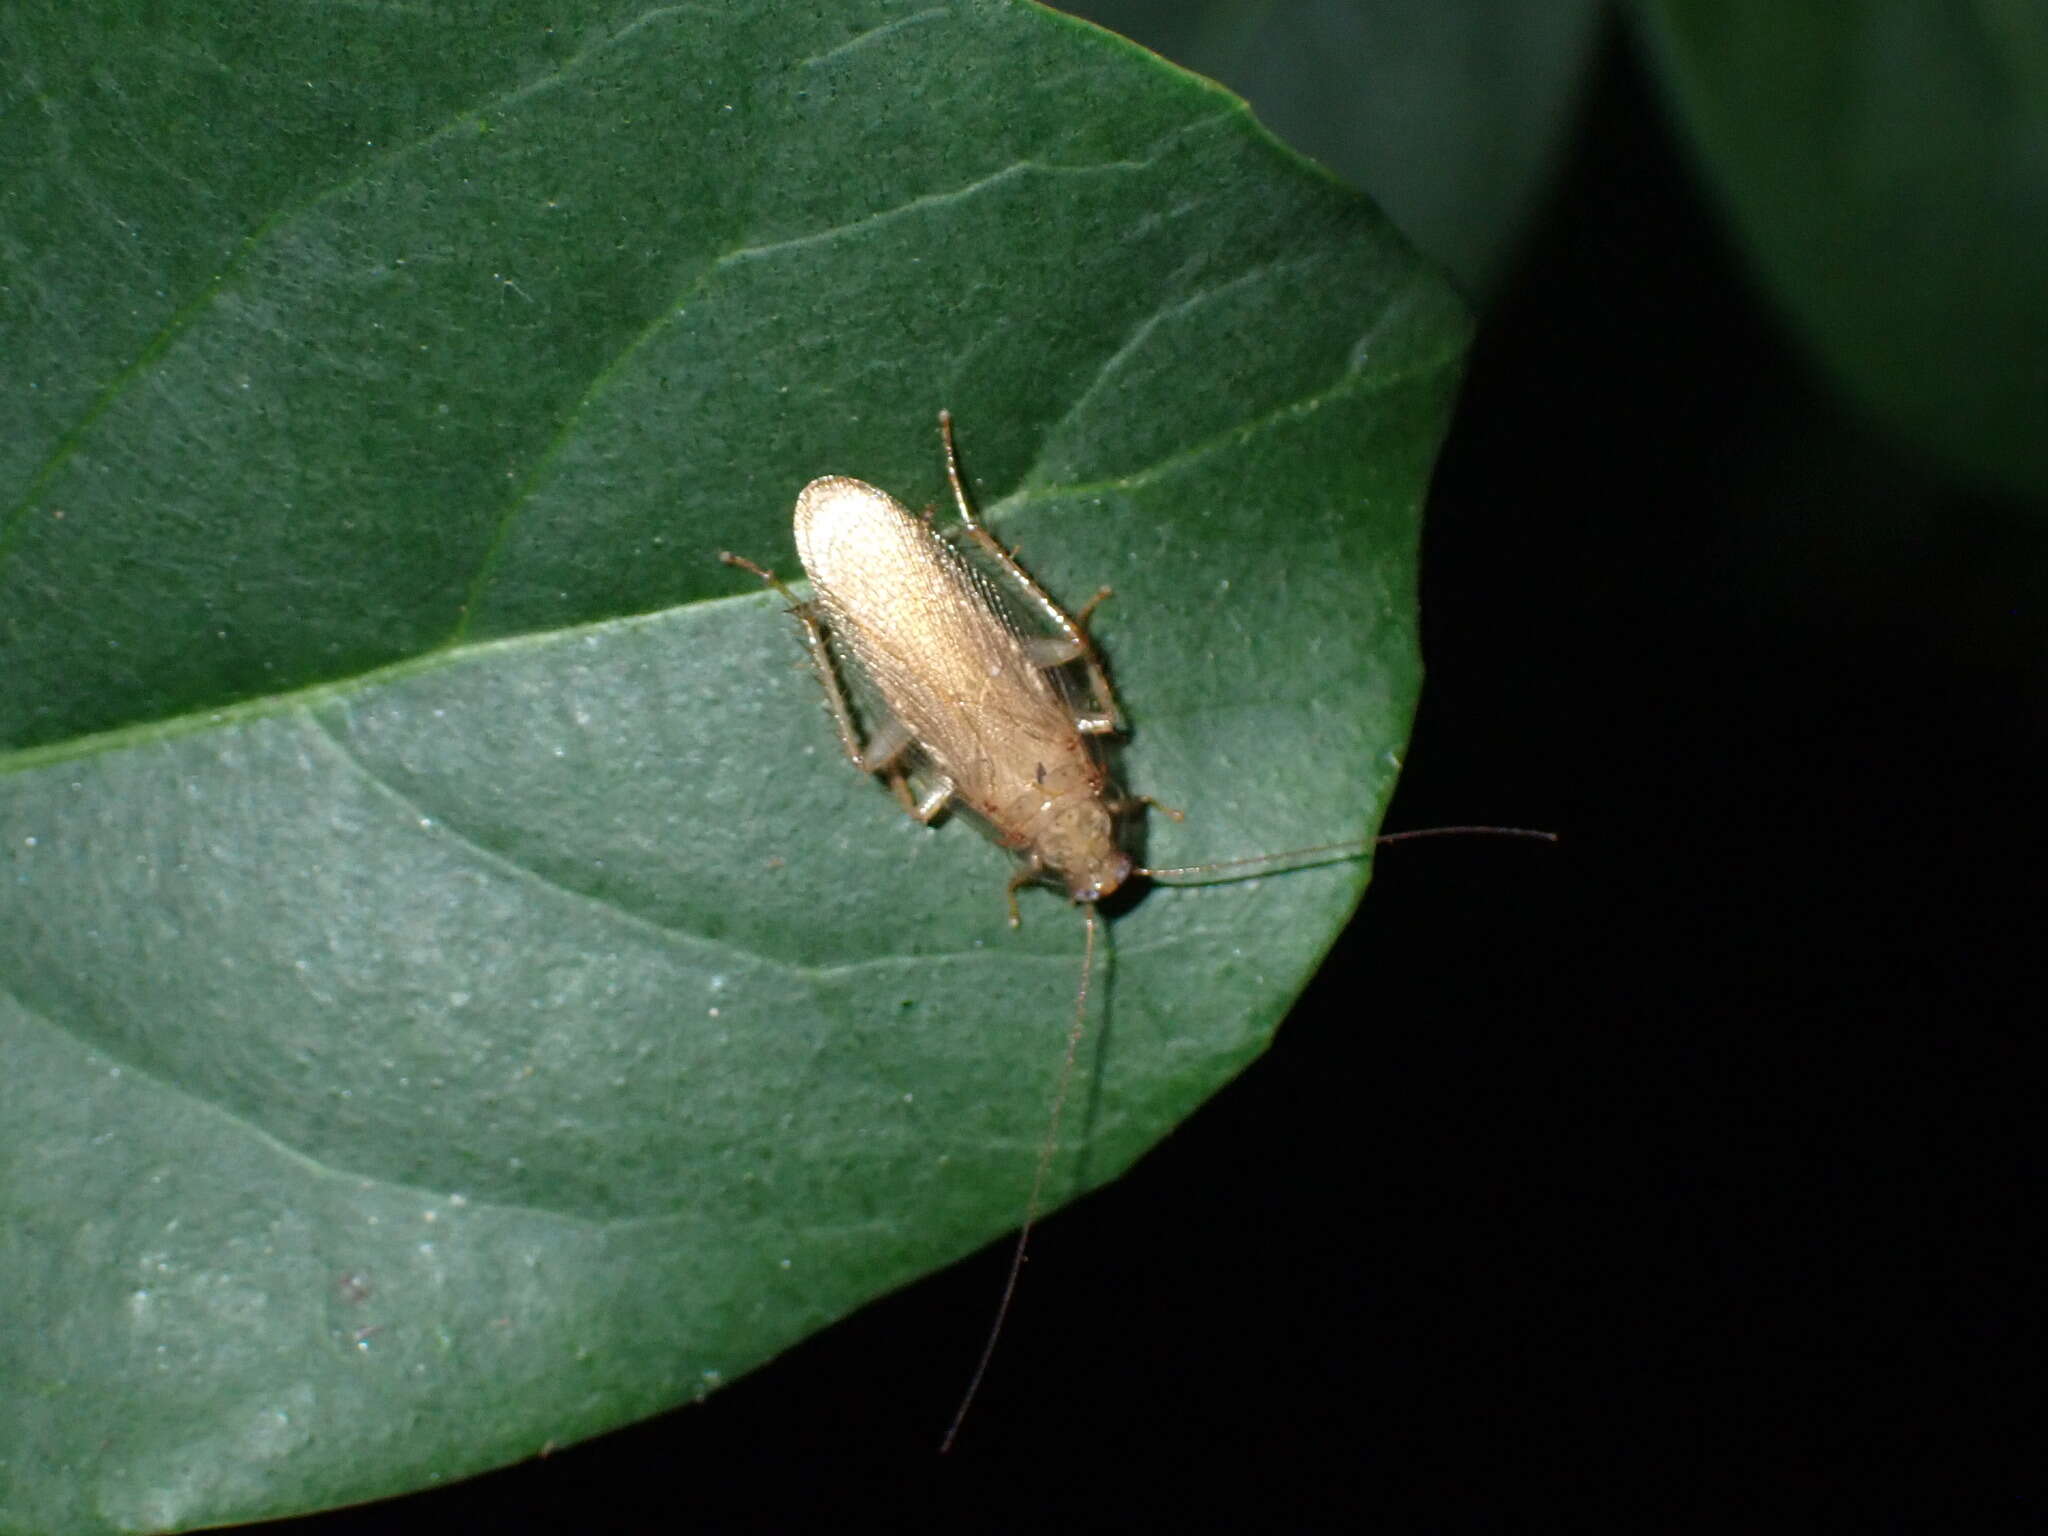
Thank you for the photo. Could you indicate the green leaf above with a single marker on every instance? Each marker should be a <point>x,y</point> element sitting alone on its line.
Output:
<point>1451,116</point>
<point>1887,167</point>
<point>455,996</point>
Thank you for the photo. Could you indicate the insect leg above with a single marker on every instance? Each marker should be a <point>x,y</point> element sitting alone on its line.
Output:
<point>1048,652</point>
<point>1073,634</point>
<point>1051,651</point>
<point>935,800</point>
<point>888,744</point>
<point>885,747</point>
<point>828,675</point>
<point>1089,607</point>
<point>1129,803</point>
<point>1025,874</point>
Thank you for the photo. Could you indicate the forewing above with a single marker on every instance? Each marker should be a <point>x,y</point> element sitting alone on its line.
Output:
<point>926,631</point>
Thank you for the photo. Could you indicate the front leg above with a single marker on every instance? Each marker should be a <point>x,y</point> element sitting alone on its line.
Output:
<point>1027,873</point>
<point>1130,803</point>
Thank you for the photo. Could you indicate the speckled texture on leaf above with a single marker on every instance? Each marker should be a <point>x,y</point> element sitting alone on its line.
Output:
<point>455,998</point>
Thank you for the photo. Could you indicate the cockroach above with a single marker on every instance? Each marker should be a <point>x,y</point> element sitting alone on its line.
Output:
<point>966,708</point>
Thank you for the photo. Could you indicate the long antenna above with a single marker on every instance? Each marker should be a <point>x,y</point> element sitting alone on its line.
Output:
<point>1050,1146</point>
<point>1031,1207</point>
<point>1337,851</point>
<point>1418,832</point>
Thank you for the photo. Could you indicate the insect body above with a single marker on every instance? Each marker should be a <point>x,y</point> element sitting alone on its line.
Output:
<point>969,707</point>
<point>966,705</point>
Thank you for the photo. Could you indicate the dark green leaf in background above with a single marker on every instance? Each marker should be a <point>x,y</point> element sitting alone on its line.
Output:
<point>454,996</point>
<point>1886,165</point>
<point>1450,113</point>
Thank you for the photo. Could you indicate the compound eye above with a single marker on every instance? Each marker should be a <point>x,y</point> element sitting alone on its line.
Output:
<point>1105,881</point>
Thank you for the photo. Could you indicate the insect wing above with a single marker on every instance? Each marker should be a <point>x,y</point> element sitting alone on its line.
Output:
<point>927,634</point>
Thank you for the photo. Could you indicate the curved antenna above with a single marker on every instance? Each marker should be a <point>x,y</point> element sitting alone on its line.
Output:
<point>1418,832</point>
<point>1332,853</point>
<point>1031,1207</point>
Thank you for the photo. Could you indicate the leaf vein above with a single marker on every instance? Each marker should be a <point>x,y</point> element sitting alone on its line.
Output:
<point>861,40</point>
<point>1350,377</point>
<point>188,313</point>
<point>132,1066</point>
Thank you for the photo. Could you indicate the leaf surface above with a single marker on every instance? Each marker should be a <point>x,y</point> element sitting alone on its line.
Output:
<point>455,996</point>
<point>1451,116</point>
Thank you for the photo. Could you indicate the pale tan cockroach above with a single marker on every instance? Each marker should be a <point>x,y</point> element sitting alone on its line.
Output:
<point>963,707</point>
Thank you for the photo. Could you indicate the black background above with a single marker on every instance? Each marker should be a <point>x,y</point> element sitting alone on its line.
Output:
<point>1682,1175</point>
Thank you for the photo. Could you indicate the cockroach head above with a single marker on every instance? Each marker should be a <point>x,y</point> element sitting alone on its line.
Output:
<point>1077,840</point>
<point>1099,880</point>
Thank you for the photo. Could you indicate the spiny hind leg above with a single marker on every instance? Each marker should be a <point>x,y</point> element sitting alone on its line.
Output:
<point>1072,643</point>
<point>1058,650</point>
<point>923,808</point>
<point>887,754</point>
<point>866,758</point>
<point>1047,652</point>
